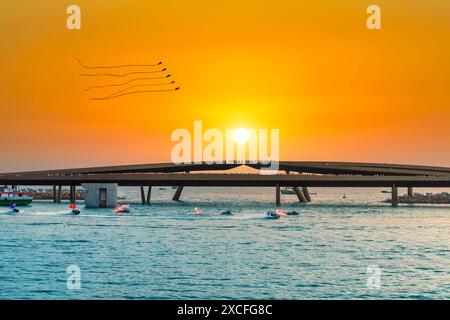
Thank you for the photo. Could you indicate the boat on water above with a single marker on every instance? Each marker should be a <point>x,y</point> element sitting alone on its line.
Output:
<point>12,210</point>
<point>272,215</point>
<point>287,190</point>
<point>7,198</point>
<point>124,208</point>
<point>74,211</point>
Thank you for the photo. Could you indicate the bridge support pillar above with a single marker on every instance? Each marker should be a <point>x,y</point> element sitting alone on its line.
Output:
<point>100,195</point>
<point>59,194</point>
<point>394,201</point>
<point>177,194</point>
<point>300,195</point>
<point>306,194</point>
<point>142,194</point>
<point>149,194</point>
<point>73,197</point>
<point>278,195</point>
<point>410,191</point>
<point>55,199</point>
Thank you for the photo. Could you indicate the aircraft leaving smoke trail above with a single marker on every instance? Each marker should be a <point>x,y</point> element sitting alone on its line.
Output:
<point>119,66</point>
<point>135,92</point>
<point>127,82</point>
<point>119,75</point>
<point>125,90</point>
<point>141,85</point>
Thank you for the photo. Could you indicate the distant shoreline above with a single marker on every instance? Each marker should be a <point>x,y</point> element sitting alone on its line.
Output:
<point>424,199</point>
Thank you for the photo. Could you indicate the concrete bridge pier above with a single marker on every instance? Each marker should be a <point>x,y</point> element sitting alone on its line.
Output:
<point>300,195</point>
<point>73,197</point>
<point>149,194</point>
<point>58,197</point>
<point>306,194</point>
<point>144,199</point>
<point>177,195</point>
<point>142,194</point>
<point>55,199</point>
<point>278,195</point>
<point>100,195</point>
<point>410,191</point>
<point>394,201</point>
<point>303,196</point>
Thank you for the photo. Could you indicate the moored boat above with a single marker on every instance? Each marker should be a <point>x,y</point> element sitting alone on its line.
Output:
<point>14,197</point>
<point>287,190</point>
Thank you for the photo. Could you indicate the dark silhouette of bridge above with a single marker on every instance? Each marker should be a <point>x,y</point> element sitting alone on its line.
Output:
<point>297,174</point>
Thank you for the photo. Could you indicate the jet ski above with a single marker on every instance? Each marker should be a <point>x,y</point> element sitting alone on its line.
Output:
<point>272,215</point>
<point>227,213</point>
<point>122,209</point>
<point>12,209</point>
<point>74,211</point>
<point>292,213</point>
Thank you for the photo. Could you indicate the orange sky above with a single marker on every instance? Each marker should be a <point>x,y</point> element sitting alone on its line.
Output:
<point>336,90</point>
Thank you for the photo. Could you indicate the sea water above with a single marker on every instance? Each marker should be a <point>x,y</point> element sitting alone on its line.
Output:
<point>164,251</point>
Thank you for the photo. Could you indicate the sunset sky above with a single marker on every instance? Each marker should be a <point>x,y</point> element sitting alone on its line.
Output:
<point>336,90</point>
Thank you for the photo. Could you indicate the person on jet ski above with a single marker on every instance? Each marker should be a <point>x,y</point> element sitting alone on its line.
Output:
<point>74,209</point>
<point>13,208</point>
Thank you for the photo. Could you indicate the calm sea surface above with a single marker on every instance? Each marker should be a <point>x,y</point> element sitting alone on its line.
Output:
<point>163,251</point>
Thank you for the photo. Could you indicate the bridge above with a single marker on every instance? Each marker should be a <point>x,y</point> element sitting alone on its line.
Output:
<point>300,175</point>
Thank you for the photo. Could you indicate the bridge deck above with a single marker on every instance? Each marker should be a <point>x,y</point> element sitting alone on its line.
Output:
<point>164,179</point>
<point>294,166</point>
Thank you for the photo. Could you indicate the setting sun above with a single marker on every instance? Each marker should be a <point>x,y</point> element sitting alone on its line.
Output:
<point>241,135</point>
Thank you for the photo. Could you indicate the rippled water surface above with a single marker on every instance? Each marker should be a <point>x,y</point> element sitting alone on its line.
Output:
<point>163,251</point>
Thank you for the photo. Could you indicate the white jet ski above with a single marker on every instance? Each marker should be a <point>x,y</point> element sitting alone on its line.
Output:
<point>12,210</point>
<point>272,215</point>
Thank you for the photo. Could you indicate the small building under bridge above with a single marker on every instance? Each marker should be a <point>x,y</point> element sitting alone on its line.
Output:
<point>101,183</point>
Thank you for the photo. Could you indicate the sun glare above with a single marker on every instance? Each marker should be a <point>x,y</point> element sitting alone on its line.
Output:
<point>241,135</point>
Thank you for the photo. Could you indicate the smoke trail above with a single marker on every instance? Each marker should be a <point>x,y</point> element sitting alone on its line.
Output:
<point>126,82</point>
<point>119,66</point>
<point>119,75</point>
<point>134,92</point>
<point>140,85</point>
